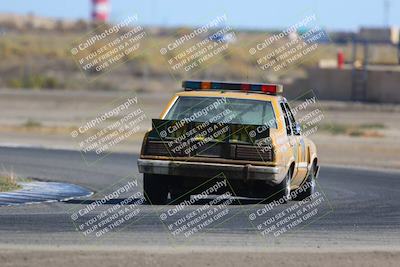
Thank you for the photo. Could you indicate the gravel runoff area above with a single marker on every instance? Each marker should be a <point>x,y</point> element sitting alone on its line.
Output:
<point>150,256</point>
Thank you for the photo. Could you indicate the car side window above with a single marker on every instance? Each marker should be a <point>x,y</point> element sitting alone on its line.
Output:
<point>291,117</point>
<point>286,119</point>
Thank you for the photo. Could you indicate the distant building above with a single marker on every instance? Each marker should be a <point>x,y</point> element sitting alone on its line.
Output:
<point>379,35</point>
<point>341,37</point>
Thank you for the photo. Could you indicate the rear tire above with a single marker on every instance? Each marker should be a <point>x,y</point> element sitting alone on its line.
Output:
<point>155,189</point>
<point>177,190</point>
<point>283,189</point>
<point>178,197</point>
<point>311,188</point>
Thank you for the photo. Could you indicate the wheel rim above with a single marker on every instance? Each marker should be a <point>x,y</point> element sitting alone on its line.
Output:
<point>287,187</point>
<point>313,184</point>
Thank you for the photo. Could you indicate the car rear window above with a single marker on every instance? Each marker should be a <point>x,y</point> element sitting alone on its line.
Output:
<point>214,109</point>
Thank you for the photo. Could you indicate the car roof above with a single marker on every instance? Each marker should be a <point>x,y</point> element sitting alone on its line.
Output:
<point>231,94</point>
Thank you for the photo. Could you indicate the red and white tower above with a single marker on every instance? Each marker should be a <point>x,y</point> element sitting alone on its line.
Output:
<point>100,10</point>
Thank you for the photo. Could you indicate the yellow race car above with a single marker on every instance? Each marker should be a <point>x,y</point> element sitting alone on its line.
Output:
<point>246,132</point>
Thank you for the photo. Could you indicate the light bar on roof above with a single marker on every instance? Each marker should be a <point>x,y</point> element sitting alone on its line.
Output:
<point>243,87</point>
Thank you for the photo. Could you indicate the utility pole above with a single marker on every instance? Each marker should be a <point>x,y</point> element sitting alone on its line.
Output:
<point>386,12</point>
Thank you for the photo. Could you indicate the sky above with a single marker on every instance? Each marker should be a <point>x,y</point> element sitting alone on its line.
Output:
<point>249,14</point>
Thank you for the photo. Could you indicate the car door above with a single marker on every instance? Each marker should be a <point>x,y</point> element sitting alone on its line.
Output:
<point>301,147</point>
<point>293,140</point>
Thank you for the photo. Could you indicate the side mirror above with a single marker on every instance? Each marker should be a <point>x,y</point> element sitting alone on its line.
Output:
<point>297,129</point>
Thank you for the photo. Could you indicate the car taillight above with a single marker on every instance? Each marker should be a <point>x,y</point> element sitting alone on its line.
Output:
<point>253,153</point>
<point>156,148</point>
<point>162,148</point>
<point>212,150</point>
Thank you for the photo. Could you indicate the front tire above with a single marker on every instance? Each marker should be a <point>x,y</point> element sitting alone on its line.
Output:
<point>155,189</point>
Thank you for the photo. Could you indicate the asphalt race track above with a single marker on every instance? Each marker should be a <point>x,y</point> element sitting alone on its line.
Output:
<point>361,208</point>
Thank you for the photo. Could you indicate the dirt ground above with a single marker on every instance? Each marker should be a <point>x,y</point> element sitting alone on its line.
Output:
<point>193,257</point>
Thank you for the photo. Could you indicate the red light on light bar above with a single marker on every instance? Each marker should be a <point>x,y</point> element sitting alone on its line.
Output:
<point>206,85</point>
<point>266,88</point>
<point>245,87</point>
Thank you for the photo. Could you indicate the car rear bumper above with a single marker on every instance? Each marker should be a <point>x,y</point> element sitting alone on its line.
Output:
<point>271,175</point>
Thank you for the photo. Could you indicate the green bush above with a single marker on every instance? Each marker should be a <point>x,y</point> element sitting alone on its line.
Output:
<point>36,81</point>
<point>32,123</point>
